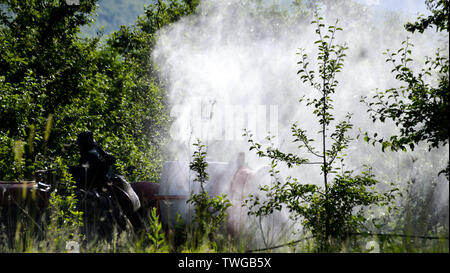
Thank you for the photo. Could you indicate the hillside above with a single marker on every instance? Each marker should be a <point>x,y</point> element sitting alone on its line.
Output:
<point>111,14</point>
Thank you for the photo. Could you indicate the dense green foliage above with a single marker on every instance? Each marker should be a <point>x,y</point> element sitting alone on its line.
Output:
<point>42,63</point>
<point>55,84</point>
<point>335,210</point>
<point>438,19</point>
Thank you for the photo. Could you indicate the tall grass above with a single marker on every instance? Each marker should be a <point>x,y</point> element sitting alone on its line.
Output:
<point>38,235</point>
<point>28,228</point>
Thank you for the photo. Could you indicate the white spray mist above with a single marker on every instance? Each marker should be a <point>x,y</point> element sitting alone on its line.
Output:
<point>227,61</point>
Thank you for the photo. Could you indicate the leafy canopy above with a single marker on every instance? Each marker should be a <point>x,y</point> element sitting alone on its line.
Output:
<point>56,84</point>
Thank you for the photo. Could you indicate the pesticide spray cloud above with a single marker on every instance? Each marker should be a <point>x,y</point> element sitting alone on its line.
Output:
<point>233,65</point>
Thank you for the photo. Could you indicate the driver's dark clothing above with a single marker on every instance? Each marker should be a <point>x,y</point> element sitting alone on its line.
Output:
<point>98,168</point>
<point>96,180</point>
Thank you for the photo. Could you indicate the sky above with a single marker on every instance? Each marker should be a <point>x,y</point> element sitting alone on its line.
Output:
<point>407,6</point>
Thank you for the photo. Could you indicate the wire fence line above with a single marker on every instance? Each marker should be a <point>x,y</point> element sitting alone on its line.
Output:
<point>283,245</point>
<point>354,234</point>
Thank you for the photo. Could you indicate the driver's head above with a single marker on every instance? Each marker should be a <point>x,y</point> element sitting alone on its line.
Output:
<point>86,141</point>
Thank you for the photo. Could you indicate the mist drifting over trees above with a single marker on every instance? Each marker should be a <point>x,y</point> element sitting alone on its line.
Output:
<point>160,78</point>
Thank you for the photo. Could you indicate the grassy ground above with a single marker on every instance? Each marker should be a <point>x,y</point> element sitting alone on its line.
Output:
<point>36,235</point>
